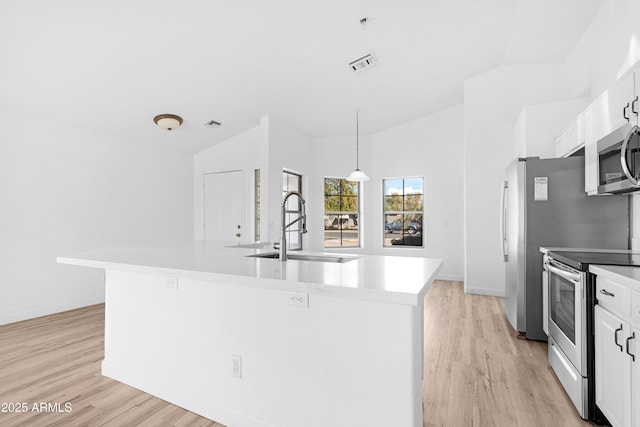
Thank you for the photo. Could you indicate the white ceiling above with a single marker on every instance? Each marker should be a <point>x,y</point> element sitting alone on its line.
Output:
<point>111,66</point>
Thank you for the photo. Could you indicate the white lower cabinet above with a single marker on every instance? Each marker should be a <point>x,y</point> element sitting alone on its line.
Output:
<point>635,381</point>
<point>617,368</point>
<point>613,368</point>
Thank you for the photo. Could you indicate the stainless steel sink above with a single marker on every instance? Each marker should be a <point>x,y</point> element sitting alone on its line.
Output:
<point>305,257</point>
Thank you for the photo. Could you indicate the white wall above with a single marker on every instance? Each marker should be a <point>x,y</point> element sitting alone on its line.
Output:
<point>492,102</point>
<point>288,149</point>
<point>428,147</point>
<point>271,146</point>
<point>609,47</point>
<point>242,152</point>
<point>335,157</point>
<point>63,190</point>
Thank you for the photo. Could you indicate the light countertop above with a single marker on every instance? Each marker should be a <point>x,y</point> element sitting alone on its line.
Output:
<point>389,279</point>
<point>629,276</point>
<point>544,250</point>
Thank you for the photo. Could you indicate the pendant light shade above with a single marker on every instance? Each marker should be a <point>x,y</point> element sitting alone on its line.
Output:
<point>357,175</point>
<point>168,121</point>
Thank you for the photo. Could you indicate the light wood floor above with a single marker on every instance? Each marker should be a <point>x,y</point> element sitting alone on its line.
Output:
<point>477,373</point>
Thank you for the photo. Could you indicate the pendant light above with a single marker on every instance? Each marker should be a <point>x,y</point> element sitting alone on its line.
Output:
<point>357,175</point>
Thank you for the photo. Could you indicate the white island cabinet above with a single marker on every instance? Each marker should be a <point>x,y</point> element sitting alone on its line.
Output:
<point>258,342</point>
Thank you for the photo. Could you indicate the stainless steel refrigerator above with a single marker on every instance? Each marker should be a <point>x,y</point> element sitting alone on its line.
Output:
<point>544,204</point>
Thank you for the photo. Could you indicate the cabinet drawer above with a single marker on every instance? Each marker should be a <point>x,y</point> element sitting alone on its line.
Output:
<point>613,296</point>
<point>635,307</point>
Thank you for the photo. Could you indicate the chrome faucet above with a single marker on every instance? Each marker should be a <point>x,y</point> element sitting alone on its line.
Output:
<point>282,245</point>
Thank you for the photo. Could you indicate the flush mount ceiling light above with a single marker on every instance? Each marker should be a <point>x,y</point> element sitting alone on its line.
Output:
<point>357,175</point>
<point>168,121</point>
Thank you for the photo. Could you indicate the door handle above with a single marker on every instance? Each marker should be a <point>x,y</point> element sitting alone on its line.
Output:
<point>503,221</point>
<point>624,112</point>
<point>633,106</point>
<point>632,337</point>
<point>237,234</point>
<point>615,337</point>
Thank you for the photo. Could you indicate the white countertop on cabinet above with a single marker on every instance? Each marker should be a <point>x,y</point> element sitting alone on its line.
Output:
<point>389,279</point>
<point>544,250</point>
<point>629,276</point>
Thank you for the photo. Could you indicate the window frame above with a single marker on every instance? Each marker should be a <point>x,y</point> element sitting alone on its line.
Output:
<point>385,212</point>
<point>358,214</point>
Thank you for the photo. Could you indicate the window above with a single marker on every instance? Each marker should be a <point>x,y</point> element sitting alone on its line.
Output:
<point>403,211</point>
<point>292,182</point>
<point>341,213</point>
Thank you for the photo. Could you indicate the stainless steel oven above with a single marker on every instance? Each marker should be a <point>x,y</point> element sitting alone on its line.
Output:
<point>568,308</point>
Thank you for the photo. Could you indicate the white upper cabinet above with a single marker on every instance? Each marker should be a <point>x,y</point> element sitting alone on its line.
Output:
<point>571,138</point>
<point>610,110</point>
<point>635,102</point>
<point>595,127</point>
<point>538,126</point>
<point>620,98</point>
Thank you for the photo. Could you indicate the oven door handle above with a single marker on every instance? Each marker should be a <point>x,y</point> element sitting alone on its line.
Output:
<point>572,277</point>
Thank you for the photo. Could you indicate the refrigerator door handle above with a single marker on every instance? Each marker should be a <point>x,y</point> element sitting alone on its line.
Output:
<point>503,221</point>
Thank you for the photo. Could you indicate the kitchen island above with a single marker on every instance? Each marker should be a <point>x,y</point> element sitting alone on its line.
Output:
<point>249,341</point>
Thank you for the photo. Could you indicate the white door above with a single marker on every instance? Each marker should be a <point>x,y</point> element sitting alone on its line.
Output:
<point>223,208</point>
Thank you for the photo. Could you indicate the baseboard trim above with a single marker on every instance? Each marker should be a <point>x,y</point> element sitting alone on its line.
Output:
<point>450,277</point>
<point>205,407</point>
<point>19,316</point>
<point>487,292</point>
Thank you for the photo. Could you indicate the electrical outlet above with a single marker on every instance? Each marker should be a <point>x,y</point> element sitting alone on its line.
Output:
<point>236,366</point>
<point>171,282</point>
<point>297,299</point>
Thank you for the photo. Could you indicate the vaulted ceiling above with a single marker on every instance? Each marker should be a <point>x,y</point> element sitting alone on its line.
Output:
<point>111,66</point>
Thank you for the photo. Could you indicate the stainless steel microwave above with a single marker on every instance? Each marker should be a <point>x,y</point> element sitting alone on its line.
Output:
<point>619,161</point>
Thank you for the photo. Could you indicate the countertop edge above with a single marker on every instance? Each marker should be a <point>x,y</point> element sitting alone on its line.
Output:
<point>619,274</point>
<point>546,249</point>
<point>382,296</point>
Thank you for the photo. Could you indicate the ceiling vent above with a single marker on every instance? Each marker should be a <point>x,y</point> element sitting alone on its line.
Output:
<point>363,63</point>
<point>212,124</point>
